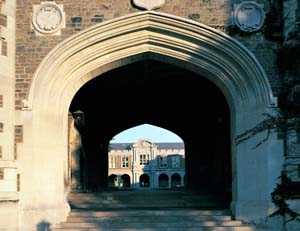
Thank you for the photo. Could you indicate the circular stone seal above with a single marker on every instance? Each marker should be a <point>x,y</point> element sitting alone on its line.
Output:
<point>47,18</point>
<point>248,16</point>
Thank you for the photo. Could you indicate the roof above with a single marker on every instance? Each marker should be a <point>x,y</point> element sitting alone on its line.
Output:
<point>170,145</point>
<point>120,146</point>
<point>127,146</point>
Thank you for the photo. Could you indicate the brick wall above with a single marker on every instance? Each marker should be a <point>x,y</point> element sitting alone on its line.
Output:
<point>119,162</point>
<point>80,14</point>
<point>265,52</point>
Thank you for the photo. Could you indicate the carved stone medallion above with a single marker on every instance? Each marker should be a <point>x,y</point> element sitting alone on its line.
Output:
<point>47,18</point>
<point>149,4</point>
<point>248,16</point>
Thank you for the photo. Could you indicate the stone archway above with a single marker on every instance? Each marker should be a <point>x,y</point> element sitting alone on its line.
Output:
<point>125,178</point>
<point>176,180</point>
<point>113,181</point>
<point>121,41</point>
<point>144,181</point>
<point>163,180</point>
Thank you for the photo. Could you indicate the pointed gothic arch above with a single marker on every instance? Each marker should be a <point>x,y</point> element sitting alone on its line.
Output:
<point>121,41</point>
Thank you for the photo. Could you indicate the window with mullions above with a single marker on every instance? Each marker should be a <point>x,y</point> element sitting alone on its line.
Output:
<point>144,159</point>
<point>125,162</point>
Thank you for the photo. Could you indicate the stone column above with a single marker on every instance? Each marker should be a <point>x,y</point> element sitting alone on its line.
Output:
<point>182,180</point>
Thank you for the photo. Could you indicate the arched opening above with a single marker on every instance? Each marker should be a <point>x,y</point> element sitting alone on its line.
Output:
<point>149,132</point>
<point>125,181</point>
<point>207,159</point>
<point>144,181</point>
<point>176,181</point>
<point>113,181</point>
<point>163,180</point>
<point>210,55</point>
<point>146,149</point>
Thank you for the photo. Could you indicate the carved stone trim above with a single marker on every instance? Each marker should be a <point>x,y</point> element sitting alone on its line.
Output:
<point>48,18</point>
<point>149,4</point>
<point>248,16</point>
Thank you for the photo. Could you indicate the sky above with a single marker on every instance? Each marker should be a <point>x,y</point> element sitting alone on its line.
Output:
<point>146,131</point>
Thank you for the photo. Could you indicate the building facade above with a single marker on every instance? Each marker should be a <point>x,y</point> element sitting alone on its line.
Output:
<point>143,165</point>
<point>236,61</point>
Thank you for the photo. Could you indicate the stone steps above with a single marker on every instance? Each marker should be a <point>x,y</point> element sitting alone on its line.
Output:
<point>152,220</point>
<point>156,212</point>
<point>164,229</point>
<point>143,199</point>
<point>147,211</point>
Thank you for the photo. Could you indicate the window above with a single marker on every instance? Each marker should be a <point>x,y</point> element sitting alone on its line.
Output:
<point>144,159</point>
<point>18,183</point>
<point>125,162</point>
<point>112,162</point>
<point>162,162</point>
<point>1,173</point>
<point>175,161</point>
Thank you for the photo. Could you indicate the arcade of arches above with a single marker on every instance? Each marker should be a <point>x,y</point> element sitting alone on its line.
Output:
<point>167,96</point>
<point>146,165</point>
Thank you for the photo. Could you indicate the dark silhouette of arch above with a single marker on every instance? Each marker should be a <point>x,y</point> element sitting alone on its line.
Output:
<point>163,181</point>
<point>125,181</point>
<point>176,181</point>
<point>144,181</point>
<point>113,181</point>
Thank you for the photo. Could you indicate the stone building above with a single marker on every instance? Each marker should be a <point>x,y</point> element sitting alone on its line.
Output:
<point>210,71</point>
<point>146,165</point>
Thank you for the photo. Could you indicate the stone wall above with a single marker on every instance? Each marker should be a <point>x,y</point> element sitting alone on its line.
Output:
<point>8,169</point>
<point>31,48</point>
<point>7,80</point>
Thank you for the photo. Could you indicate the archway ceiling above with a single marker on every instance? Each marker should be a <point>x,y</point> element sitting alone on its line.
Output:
<point>151,92</point>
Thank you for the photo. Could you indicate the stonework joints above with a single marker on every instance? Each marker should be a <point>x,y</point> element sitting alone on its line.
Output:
<point>149,4</point>
<point>48,18</point>
<point>248,16</point>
